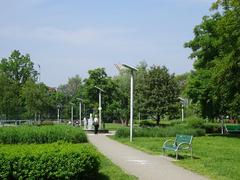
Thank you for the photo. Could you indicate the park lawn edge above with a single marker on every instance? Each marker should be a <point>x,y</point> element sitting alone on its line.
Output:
<point>170,155</point>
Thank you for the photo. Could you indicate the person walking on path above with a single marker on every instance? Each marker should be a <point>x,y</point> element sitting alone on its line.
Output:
<point>96,124</point>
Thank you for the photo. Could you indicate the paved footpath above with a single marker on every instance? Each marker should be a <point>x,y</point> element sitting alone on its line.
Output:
<point>140,164</point>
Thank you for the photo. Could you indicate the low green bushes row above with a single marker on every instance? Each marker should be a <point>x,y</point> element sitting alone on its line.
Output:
<point>190,122</point>
<point>41,134</point>
<point>160,131</point>
<point>48,161</point>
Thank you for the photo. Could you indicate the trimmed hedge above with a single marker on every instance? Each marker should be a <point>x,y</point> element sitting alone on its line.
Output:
<point>170,131</point>
<point>41,134</point>
<point>48,161</point>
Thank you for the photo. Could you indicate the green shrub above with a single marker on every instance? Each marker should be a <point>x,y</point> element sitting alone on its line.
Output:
<point>41,134</point>
<point>195,122</point>
<point>122,132</point>
<point>49,161</point>
<point>169,131</point>
<point>147,123</point>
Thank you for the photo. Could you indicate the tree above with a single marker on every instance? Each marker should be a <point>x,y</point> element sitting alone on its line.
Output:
<point>18,68</point>
<point>215,84</point>
<point>36,98</point>
<point>98,77</point>
<point>72,87</point>
<point>162,92</point>
<point>9,101</point>
<point>139,89</point>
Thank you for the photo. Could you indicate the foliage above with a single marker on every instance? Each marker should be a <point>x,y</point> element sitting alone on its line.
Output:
<point>195,122</point>
<point>170,131</point>
<point>72,87</point>
<point>41,134</point>
<point>162,92</point>
<point>147,123</point>
<point>35,97</point>
<point>50,161</point>
<point>215,83</point>
<point>18,67</point>
<point>90,94</point>
<point>182,81</point>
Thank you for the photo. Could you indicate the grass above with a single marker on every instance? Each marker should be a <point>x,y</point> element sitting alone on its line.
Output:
<point>109,171</point>
<point>113,126</point>
<point>216,157</point>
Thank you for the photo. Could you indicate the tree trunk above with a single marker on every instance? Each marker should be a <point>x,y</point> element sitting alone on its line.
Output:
<point>158,120</point>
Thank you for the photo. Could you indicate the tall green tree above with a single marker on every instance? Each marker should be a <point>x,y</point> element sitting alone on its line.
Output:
<point>139,90</point>
<point>161,93</point>
<point>36,98</point>
<point>9,101</point>
<point>98,77</point>
<point>15,71</point>
<point>215,84</point>
<point>18,67</point>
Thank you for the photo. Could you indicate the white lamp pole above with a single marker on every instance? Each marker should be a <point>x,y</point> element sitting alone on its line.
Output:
<point>100,105</point>
<point>131,99</point>
<point>58,113</point>
<point>72,112</point>
<point>80,111</point>
<point>182,102</point>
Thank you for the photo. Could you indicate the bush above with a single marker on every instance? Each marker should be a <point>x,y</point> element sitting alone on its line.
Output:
<point>195,122</point>
<point>170,131</point>
<point>41,134</point>
<point>147,123</point>
<point>52,161</point>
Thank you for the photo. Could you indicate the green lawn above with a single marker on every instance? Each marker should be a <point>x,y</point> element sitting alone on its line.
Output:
<point>113,126</point>
<point>214,156</point>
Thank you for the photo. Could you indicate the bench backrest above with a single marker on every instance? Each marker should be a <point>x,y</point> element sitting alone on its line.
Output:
<point>232,127</point>
<point>183,139</point>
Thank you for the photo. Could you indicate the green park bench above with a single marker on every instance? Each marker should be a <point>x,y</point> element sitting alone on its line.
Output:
<point>232,128</point>
<point>181,142</point>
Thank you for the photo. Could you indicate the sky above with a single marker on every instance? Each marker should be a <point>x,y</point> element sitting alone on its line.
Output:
<point>70,37</point>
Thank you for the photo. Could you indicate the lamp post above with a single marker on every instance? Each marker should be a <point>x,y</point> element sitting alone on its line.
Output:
<point>131,99</point>
<point>100,105</point>
<point>72,112</point>
<point>80,111</point>
<point>182,102</point>
<point>58,113</point>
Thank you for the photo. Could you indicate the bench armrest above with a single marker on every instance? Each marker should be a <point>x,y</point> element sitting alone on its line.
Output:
<point>183,143</point>
<point>169,140</point>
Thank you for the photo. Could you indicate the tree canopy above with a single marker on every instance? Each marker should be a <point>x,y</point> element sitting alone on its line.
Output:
<point>215,83</point>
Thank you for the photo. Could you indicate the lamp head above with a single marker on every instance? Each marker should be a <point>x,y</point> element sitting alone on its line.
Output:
<point>99,89</point>
<point>130,67</point>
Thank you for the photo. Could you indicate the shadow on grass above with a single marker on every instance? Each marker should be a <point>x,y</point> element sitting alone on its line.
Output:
<point>182,156</point>
<point>235,135</point>
<point>99,176</point>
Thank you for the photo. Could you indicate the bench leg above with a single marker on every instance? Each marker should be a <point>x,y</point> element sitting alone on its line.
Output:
<point>176,155</point>
<point>191,153</point>
<point>163,151</point>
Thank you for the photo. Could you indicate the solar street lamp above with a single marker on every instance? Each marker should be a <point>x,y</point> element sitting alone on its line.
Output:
<point>132,69</point>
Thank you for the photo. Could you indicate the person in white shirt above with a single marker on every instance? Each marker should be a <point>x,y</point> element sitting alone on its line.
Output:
<point>96,124</point>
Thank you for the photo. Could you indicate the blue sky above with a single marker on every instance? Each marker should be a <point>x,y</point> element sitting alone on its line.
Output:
<point>69,37</point>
